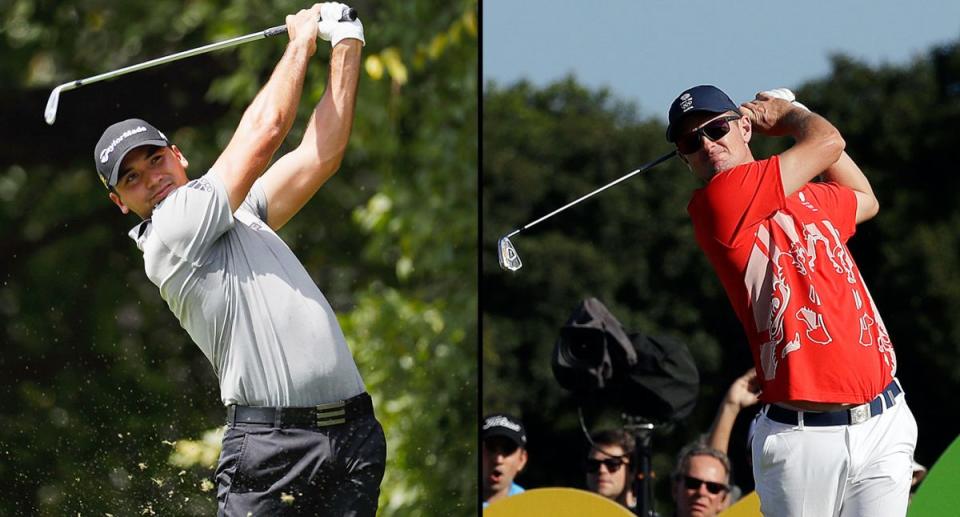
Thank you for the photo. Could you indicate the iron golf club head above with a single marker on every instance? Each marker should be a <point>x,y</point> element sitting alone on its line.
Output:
<point>507,255</point>
<point>50,113</point>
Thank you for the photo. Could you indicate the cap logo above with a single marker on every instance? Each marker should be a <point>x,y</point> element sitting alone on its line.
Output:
<point>686,102</point>
<point>499,421</point>
<point>105,154</point>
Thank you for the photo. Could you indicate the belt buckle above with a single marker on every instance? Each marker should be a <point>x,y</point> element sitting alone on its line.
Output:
<point>859,414</point>
<point>327,414</point>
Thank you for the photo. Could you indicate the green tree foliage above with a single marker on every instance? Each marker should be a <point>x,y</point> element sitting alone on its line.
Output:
<point>632,247</point>
<point>107,405</point>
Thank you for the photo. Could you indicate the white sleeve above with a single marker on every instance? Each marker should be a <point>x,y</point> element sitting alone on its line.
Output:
<point>256,201</point>
<point>193,217</point>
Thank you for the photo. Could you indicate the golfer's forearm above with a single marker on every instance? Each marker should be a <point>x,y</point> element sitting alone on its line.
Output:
<point>264,124</point>
<point>810,129</point>
<point>297,176</point>
<point>846,172</point>
<point>328,131</point>
<point>274,109</point>
<point>817,146</point>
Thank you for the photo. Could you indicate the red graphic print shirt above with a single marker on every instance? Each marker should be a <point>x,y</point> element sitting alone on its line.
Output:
<point>813,328</point>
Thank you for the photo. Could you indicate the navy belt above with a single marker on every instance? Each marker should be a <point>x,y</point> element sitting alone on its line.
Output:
<point>321,415</point>
<point>848,416</point>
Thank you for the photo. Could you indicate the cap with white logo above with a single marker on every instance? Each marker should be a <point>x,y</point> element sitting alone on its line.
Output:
<point>118,140</point>
<point>504,425</point>
<point>699,98</point>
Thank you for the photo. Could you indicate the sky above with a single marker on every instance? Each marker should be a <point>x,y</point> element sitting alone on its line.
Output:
<point>648,51</point>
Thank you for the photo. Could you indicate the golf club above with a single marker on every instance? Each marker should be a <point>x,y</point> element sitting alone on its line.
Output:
<point>507,254</point>
<point>50,113</point>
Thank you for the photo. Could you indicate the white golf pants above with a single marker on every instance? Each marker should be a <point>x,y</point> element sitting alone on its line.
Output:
<point>860,470</point>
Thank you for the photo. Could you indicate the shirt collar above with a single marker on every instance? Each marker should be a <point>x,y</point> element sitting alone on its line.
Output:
<point>137,232</point>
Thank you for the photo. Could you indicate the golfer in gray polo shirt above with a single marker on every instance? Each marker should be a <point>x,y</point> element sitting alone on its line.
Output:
<point>302,438</point>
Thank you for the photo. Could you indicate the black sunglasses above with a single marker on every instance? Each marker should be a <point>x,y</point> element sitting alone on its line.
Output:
<point>714,130</point>
<point>713,487</point>
<point>613,465</point>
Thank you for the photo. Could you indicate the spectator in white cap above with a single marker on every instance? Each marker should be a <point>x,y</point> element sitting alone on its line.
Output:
<point>504,456</point>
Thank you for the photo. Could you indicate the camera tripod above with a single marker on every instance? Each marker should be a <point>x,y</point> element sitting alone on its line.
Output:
<point>642,431</point>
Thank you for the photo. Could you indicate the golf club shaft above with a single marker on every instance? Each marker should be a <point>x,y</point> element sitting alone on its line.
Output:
<point>599,190</point>
<point>239,40</point>
<point>166,59</point>
<point>54,100</point>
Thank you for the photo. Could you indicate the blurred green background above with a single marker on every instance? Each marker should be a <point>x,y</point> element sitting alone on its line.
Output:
<point>633,248</point>
<point>104,400</point>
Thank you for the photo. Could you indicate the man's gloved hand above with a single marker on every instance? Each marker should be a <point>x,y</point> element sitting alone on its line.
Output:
<point>332,29</point>
<point>785,94</point>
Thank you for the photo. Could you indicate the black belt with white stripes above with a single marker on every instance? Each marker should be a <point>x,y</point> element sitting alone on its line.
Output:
<point>321,415</point>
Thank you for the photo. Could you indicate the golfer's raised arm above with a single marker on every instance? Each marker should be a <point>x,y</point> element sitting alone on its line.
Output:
<point>846,172</point>
<point>267,120</point>
<point>297,176</point>
<point>818,144</point>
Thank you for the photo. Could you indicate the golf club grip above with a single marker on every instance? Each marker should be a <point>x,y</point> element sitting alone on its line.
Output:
<point>349,15</point>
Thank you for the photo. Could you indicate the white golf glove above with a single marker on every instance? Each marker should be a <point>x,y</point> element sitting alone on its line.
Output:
<point>787,95</point>
<point>332,29</point>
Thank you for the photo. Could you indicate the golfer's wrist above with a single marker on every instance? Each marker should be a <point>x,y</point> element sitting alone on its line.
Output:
<point>349,45</point>
<point>308,46</point>
<point>348,39</point>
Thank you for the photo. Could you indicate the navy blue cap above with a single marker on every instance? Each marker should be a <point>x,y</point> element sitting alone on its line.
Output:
<point>699,98</point>
<point>118,140</point>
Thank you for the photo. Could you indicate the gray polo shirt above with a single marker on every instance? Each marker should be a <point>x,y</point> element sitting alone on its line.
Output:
<point>245,299</point>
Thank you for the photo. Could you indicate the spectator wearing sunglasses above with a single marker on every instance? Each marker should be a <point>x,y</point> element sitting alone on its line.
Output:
<point>700,481</point>
<point>504,444</point>
<point>608,466</point>
<point>835,430</point>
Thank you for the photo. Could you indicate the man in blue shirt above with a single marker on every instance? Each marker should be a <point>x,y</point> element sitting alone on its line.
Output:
<point>504,456</point>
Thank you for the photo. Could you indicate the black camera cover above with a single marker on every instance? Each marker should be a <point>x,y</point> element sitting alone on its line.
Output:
<point>648,376</point>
